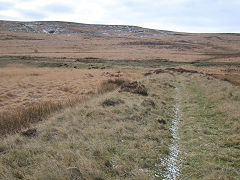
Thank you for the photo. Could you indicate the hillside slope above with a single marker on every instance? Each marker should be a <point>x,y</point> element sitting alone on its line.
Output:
<point>75,40</point>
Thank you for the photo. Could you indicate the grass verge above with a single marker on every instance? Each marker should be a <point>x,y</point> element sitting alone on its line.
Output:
<point>209,130</point>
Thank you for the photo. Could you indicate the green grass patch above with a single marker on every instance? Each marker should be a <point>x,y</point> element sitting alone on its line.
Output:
<point>208,148</point>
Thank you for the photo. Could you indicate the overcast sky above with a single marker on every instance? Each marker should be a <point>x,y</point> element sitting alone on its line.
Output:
<point>175,15</point>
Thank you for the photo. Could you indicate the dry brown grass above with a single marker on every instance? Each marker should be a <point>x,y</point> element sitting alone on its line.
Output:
<point>21,117</point>
<point>22,86</point>
<point>181,47</point>
<point>122,135</point>
<point>30,94</point>
<point>92,141</point>
<point>110,85</point>
<point>118,135</point>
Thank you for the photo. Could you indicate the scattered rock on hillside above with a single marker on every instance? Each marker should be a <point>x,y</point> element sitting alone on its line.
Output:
<point>51,32</point>
<point>134,87</point>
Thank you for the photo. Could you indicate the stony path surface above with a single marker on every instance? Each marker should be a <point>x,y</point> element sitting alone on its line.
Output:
<point>173,167</point>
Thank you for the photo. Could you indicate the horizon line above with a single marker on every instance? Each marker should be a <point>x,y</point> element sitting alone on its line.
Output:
<point>102,24</point>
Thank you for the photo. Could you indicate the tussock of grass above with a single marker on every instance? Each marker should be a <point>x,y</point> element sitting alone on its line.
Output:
<point>30,94</point>
<point>134,87</point>
<point>110,85</point>
<point>19,118</point>
<point>91,141</point>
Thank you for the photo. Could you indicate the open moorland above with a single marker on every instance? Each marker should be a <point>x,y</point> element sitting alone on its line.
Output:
<point>25,89</point>
<point>80,101</point>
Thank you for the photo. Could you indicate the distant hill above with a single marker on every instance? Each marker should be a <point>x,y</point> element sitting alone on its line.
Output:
<point>113,42</point>
<point>58,27</point>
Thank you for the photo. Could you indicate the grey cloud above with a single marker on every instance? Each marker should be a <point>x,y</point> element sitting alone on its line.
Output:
<point>2,17</point>
<point>202,14</point>
<point>35,15</point>
<point>205,15</point>
<point>58,8</point>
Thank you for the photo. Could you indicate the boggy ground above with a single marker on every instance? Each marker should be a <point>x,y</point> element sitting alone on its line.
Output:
<point>29,94</point>
<point>126,135</point>
<point>23,85</point>
<point>117,135</point>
